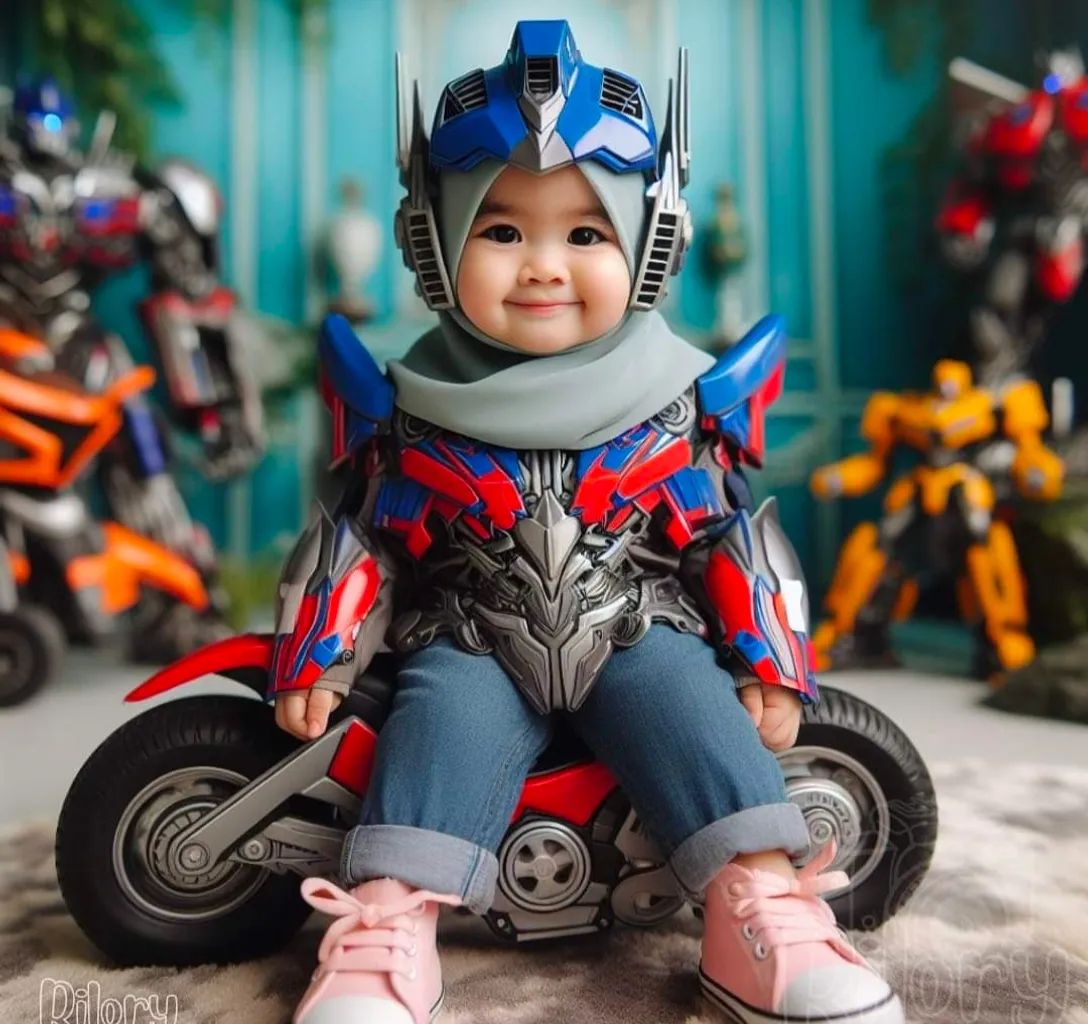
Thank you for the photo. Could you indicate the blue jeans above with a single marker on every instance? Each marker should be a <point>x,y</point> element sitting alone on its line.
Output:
<point>664,716</point>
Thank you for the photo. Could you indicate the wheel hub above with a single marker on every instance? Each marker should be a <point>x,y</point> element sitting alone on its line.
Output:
<point>145,843</point>
<point>841,800</point>
<point>161,845</point>
<point>831,812</point>
<point>545,866</point>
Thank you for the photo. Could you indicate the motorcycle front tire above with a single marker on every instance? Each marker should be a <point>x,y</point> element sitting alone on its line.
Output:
<point>154,775</point>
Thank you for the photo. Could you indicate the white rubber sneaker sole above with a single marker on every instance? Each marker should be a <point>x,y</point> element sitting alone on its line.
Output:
<point>888,1011</point>
<point>365,1010</point>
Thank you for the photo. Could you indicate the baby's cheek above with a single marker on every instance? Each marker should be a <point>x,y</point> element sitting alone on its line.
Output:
<point>606,290</point>
<point>477,289</point>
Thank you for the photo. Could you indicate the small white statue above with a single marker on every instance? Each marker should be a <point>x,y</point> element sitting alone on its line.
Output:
<point>354,247</point>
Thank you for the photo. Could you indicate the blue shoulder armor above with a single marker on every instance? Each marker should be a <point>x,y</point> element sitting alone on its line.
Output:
<point>738,388</point>
<point>359,396</point>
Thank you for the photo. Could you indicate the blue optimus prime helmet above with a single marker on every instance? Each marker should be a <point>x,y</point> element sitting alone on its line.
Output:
<point>542,108</point>
<point>44,116</point>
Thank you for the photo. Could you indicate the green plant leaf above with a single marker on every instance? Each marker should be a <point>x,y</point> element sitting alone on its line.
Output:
<point>250,586</point>
<point>104,52</point>
<point>54,19</point>
<point>98,32</point>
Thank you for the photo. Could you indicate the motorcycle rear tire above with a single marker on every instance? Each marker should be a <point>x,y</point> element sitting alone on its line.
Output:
<point>850,725</point>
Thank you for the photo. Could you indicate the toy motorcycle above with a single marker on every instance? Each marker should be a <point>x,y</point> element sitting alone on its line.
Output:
<point>181,837</point>
<point>57,564</point>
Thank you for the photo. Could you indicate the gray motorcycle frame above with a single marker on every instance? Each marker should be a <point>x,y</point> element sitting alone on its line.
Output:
<point>233,831</point>
<point>252,827</point>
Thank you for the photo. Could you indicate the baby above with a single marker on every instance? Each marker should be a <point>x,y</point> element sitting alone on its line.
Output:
<point>550,521</point>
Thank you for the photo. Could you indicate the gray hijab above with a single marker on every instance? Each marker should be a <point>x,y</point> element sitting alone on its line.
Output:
<point>458,378</point>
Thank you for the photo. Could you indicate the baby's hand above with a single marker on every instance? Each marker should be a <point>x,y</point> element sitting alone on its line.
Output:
<point>305,713</point>
<point>776,712</point>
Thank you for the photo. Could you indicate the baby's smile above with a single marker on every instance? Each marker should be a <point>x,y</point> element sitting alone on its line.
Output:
<point>542,307</point>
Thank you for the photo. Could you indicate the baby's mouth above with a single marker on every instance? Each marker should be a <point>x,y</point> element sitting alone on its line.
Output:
<point>539,307</point>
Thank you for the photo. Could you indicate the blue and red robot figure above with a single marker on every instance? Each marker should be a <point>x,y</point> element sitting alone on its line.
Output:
<point>1015,214</point>
<point>69,220</point>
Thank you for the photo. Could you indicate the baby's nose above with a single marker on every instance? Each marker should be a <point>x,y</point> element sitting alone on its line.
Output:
<point>544,267</point>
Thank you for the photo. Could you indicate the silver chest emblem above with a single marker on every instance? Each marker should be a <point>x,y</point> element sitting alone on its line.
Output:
<point>558,634</point>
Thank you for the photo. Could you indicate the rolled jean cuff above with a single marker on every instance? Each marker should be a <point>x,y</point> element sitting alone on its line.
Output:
<point>440,863</point>
<point>699,858</point>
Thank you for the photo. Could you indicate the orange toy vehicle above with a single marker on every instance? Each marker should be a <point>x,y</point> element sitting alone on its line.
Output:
<point>61,566</point>
<point>938,516</point>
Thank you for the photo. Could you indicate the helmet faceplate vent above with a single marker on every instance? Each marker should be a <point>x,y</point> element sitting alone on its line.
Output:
<point>541,76</point>
<point>663,243</point>
<point>469,92</point>
<point>620,93</point>
<point>425,259</point>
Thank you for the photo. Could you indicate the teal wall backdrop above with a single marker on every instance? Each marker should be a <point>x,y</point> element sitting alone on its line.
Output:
<point>792,101</point>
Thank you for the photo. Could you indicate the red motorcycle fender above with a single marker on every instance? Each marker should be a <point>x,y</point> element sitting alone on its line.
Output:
<point>572,794</point>
<point>244,658</point>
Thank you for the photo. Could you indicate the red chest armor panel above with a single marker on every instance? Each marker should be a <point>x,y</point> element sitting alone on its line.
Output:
<point>48,228</point>
<point>1013,138</point>
<point>646,469</point>
<point>105,230</point>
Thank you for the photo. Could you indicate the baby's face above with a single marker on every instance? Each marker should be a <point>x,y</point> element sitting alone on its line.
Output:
<point>542,270</point>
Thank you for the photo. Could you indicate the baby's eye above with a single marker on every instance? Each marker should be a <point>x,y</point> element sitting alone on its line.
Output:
<point>585,236</point>
<point>504,234</point>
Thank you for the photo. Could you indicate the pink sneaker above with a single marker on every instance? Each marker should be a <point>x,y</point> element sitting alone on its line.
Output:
<point>772,951</point>
<point>378,962</point>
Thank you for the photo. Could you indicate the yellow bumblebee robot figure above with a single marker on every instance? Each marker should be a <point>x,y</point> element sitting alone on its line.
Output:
<point>938,515</point>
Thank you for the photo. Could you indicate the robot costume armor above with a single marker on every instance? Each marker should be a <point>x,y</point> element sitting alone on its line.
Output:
<point>68,221</point>
<point>543,544</point>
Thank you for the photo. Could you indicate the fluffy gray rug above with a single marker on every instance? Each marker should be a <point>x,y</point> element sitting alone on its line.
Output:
<point>997,934</point>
